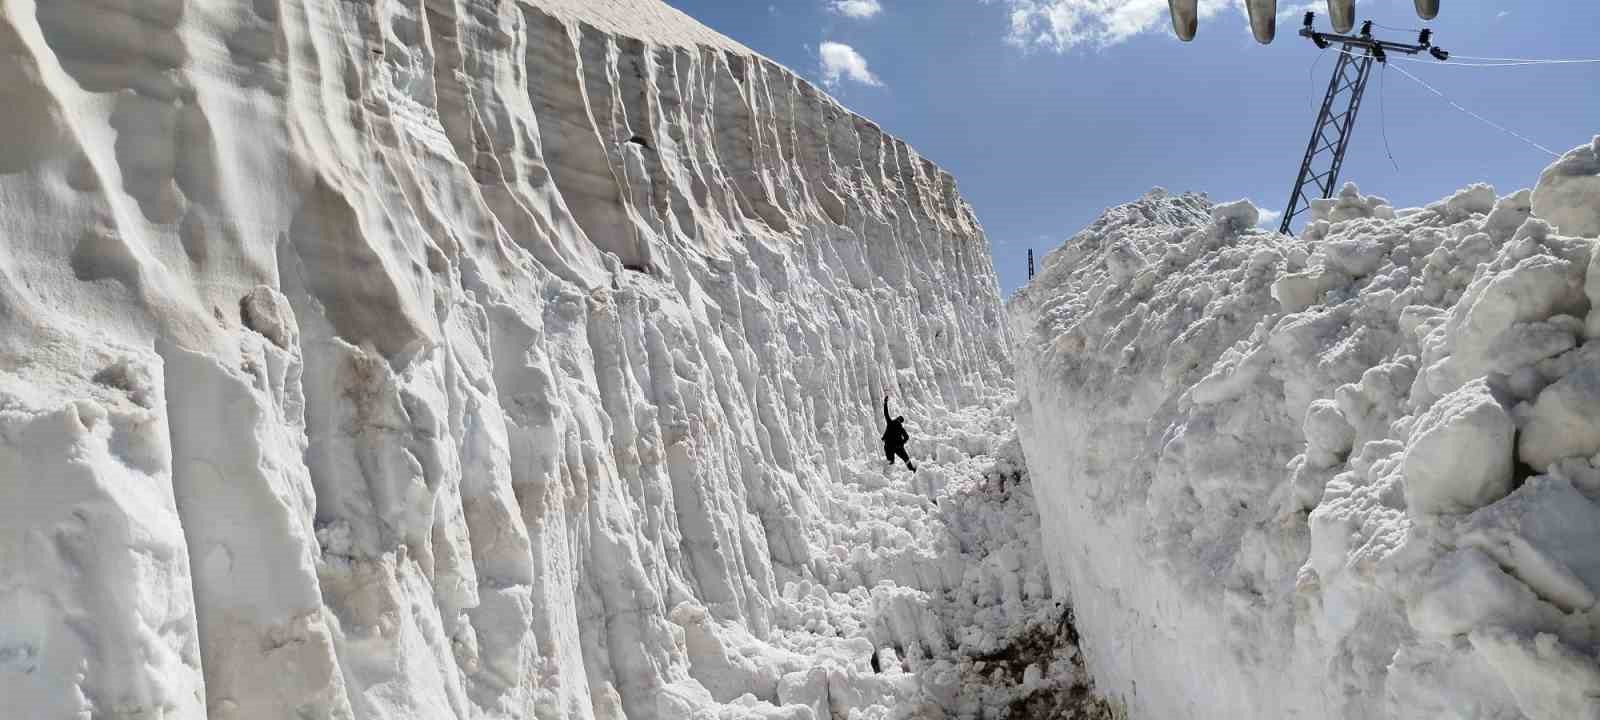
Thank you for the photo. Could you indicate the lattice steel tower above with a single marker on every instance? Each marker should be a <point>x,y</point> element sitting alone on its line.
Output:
<point>1330,138</point>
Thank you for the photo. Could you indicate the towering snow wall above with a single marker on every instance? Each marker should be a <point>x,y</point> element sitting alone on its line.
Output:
<point>1348,475</point>
<point>416,358</point>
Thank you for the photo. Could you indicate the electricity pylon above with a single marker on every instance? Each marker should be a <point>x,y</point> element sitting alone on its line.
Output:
<point>1330,138</point>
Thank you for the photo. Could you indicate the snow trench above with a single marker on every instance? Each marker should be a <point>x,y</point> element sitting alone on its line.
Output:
<point>1354,474</point>
<point>489,359</point>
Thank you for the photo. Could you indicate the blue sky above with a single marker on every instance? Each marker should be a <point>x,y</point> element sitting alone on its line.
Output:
<point>1046,127</point>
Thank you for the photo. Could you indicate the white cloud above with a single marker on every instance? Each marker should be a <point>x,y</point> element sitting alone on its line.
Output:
<point>861,9</point>
<point>1269,218</point>
<point>1061,25</point>
<point>1297,11</point>
<point>840,61</point>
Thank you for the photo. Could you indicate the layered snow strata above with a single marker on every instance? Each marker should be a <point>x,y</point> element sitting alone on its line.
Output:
<point>418,359</point>
<point>1350,474</point>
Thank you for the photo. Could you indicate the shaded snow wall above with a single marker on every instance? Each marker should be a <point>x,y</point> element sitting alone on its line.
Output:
<point>1354,474</point>
<point>416,358</point>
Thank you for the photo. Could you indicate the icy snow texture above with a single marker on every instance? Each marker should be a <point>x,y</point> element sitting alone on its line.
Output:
<point>1566,191</point>
<point>1349,475</point>
<point>458,358</point>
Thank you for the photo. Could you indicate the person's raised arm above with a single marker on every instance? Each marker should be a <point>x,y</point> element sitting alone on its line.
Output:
<point>886,408</point>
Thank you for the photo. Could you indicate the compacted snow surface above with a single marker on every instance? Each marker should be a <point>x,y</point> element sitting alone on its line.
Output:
<point>1354,474</point>
<point>490,359</point>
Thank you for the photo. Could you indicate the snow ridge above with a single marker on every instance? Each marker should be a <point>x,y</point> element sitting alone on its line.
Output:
<point>444,359</point>
<point>1351,474</point>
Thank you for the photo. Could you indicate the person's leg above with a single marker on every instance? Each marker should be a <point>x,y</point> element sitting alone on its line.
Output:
<point>888,454</point>
<point>901,451</point>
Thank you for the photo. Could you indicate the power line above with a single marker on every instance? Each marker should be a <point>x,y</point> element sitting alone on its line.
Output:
<point>1311,77</point>
<point>1526,60</point>
<point>1383,112</point>
<point>1458,106</point>
<point>1508,63</point>
<point>1480,118</point>
<point>1386,27</point>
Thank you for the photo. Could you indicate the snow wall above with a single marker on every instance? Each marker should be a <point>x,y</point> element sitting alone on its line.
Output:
<point>1349,475</point>
<point>418,358</point>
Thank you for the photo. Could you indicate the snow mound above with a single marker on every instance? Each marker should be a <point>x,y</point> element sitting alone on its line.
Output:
<point>477,360</point>
<point>1566,191</point>
<point>1350,474</point>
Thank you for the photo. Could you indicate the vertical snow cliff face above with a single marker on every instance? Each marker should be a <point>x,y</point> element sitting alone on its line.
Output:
<point>417,358</point>
<point>1354,474</point>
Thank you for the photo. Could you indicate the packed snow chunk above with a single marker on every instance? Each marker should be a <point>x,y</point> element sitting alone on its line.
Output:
<point>1545,534</point>
<point>807,688</point>
<point>1329,435</point>
<point>1568,193</point>
<point>1591,291</point>
<point>1237,215</point>
<point>266,311</point>
<point>1475,199</point>
<point>1467,589</point>
<point>1550,679</point>
<point>1500,323</point>
<point>749,707</point>
<point>1124,261</point>
<point>1355,257</point>
<point>1350,204</point>
<point>1440,680</point>
<point>1565,421</point>
<point>1509,214</point>
<point>1297,291</point>
<point>726,660</point>
<point>1459,455</point>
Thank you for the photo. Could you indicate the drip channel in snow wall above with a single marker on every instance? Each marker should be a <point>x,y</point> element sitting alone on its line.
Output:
<point>415,358</point>
<point>1354,474</point>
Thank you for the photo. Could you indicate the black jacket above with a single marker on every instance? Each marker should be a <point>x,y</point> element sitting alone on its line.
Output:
<point>895,434</point>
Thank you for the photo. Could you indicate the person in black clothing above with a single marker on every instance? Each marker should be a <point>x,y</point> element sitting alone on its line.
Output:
<point>895,437</point>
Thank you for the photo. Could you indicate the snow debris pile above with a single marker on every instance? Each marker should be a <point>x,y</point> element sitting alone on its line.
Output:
<point>1354,474</point>
<point>489,359</point>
